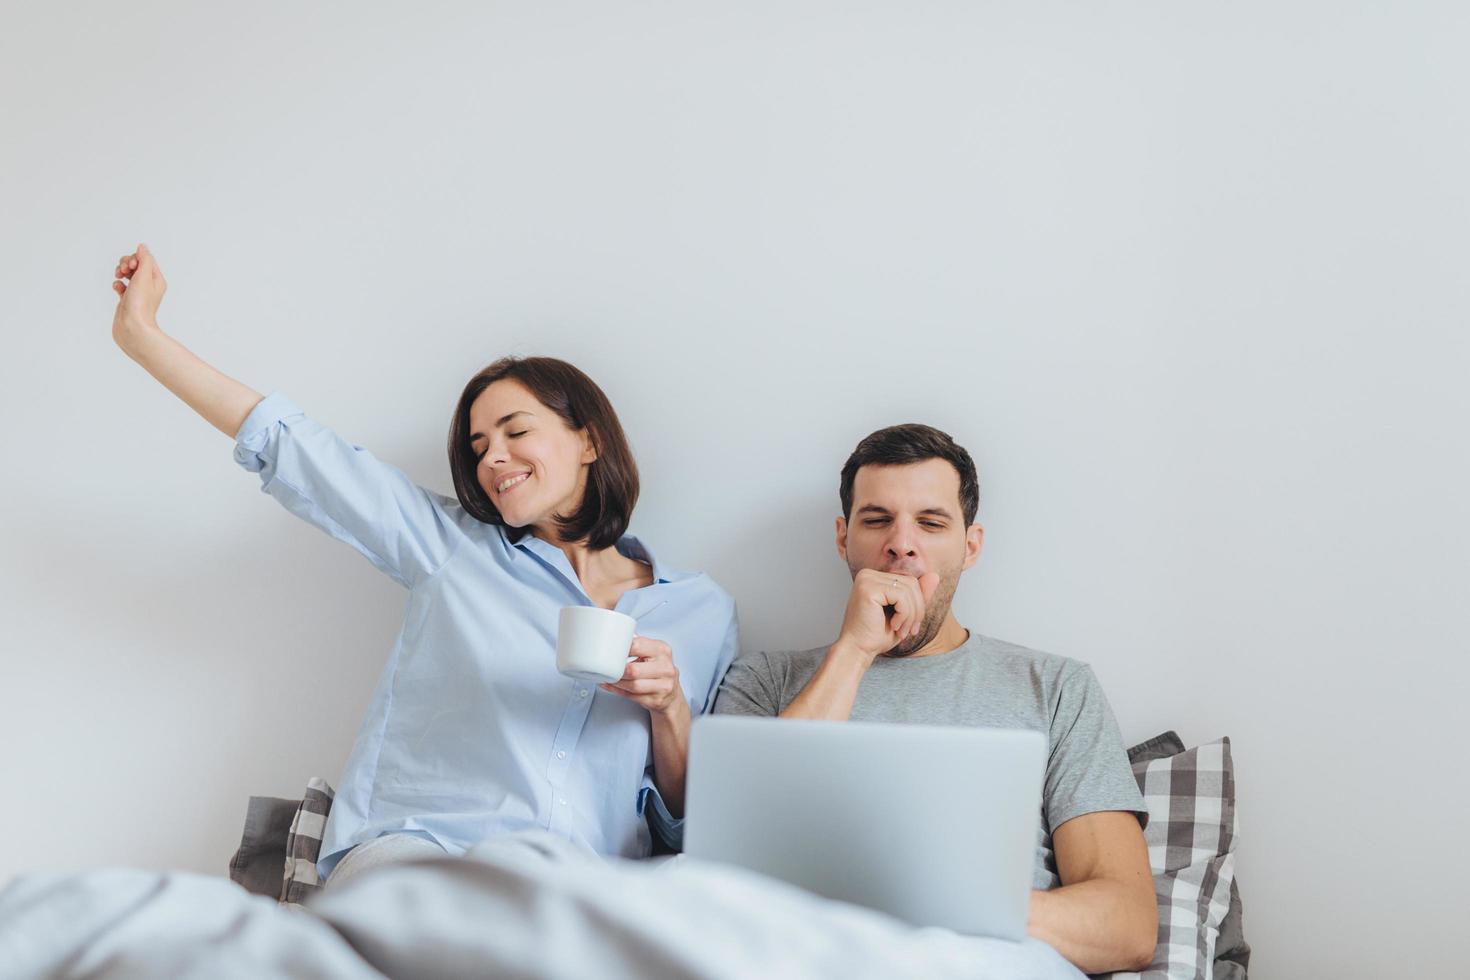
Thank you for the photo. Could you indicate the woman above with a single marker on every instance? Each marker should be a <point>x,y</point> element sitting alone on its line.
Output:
<point>471,732</point>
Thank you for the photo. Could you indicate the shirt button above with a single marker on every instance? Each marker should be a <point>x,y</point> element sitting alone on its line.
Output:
<point>562,802</point>
<point>561,755</point>
<point>582,693</point>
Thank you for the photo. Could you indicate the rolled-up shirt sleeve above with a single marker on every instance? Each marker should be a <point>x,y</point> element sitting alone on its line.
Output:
<point>651,807</point>
<point>402,528</point>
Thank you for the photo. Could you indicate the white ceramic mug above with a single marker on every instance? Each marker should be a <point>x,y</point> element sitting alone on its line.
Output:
<point>592,643</point>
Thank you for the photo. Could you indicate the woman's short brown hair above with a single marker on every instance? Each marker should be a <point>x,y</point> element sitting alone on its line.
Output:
<point>612,478</point>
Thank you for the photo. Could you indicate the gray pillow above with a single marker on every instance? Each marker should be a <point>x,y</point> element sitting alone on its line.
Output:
<point>261,859</point>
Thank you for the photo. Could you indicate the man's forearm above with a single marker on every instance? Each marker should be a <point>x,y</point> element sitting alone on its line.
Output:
<point>1099,925</point>
<point>833,688</point>
<point>671,754</point>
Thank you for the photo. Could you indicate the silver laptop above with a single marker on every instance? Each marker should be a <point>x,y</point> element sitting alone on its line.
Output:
<point>933,825</point>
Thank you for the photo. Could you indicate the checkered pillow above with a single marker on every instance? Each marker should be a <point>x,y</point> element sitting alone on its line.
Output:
<point>304,843</point>
<point>1191,846</point>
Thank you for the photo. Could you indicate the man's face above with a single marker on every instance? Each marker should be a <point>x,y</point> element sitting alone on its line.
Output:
<point>908,519</point>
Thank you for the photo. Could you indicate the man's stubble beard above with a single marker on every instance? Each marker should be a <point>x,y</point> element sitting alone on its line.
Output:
<point>934,615</point>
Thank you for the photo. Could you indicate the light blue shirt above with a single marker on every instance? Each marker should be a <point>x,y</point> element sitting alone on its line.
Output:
<point>471,731</point>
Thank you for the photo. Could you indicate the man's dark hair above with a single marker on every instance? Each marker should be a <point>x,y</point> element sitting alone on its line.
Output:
<point>899,445</point>
<point>612,478</point>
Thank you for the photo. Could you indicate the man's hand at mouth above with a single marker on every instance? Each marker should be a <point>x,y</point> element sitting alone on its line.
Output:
<point>884,608</point>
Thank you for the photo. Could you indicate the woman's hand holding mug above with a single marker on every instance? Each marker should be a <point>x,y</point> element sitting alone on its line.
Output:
<point>650,679</point>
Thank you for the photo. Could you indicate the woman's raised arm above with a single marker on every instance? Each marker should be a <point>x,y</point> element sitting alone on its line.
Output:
<point>223,401</point>
<point>320,477</point>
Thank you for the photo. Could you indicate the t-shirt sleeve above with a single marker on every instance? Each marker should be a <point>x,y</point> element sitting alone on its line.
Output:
<point>345,491</point>
<point>1088,770</point>
<point>749,688</point>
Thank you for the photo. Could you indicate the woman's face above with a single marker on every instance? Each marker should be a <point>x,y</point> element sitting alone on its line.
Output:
<point>532,465</point>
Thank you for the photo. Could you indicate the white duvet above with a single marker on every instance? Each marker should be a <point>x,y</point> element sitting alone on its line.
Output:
<point>512,908</point>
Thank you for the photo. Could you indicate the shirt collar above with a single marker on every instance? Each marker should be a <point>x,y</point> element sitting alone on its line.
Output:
<point>628,546</point>
<point>634,548</point>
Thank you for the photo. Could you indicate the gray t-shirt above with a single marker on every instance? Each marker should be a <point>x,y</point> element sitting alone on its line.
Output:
<point>987,683</point>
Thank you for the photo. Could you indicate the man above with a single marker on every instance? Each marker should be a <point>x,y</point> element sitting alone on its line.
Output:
<point>907,532</point>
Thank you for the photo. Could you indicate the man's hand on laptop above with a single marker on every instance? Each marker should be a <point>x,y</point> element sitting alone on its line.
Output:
<point>883,610</point>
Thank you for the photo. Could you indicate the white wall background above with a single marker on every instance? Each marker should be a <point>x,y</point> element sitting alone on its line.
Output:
<point>1187,278</point>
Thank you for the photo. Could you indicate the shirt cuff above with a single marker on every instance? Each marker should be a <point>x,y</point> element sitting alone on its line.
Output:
<point>254,432</point>
<point>666,825</point>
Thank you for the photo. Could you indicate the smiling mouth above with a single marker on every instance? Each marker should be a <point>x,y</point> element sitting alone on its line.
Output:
<point>510,483</point>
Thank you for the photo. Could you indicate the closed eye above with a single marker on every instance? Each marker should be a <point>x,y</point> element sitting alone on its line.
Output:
<point>514,435</point>
<point>880,521</point>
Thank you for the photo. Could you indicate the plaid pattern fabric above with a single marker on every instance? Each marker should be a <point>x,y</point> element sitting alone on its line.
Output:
<point>304,842</point>
<point>1191,847</point>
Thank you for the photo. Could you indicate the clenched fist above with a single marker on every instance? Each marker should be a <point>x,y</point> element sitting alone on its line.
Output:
<point>884,609</point>
<point>140,286</point>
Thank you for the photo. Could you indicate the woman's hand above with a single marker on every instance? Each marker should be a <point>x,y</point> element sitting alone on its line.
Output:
<point>138,298</point>
<point>224,402</point>
<point>651,680</point>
